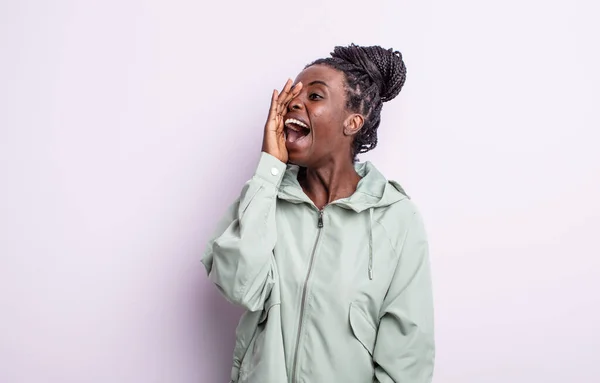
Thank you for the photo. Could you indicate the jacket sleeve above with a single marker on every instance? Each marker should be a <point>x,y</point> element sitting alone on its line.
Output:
<point>404,350</point>
<point>239,257</point>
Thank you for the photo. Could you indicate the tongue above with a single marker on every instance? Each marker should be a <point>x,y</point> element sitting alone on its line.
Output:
<point>292,135</point>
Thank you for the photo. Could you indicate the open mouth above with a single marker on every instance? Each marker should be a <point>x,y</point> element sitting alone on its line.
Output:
<point>295,130</point>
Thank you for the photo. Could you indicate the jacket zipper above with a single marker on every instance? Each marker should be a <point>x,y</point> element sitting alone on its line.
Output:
<point>304,292</point>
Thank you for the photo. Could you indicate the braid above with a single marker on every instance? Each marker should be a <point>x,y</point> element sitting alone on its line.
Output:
<point>373,75</point>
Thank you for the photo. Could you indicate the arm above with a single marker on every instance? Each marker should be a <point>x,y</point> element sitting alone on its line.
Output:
<point>405,351</point>
<point>239,258</point>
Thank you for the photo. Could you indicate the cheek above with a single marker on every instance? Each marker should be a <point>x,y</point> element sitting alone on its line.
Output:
<point>317,113</point>
<point>327,121</point>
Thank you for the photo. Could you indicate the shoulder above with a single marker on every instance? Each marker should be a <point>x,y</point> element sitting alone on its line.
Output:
<point>400,219</point>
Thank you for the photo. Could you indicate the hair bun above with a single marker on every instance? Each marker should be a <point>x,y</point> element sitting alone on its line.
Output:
<point>384,67</point>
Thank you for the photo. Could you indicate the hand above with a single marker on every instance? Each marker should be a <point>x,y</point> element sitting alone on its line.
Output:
<point>274,136</point>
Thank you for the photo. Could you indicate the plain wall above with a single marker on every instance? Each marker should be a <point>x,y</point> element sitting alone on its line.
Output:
<point>127,127</point>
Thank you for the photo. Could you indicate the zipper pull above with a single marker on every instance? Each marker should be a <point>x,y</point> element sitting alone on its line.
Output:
<point>320,221</point>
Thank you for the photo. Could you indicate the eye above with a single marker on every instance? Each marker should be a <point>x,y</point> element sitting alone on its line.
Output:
<point>314,96</point>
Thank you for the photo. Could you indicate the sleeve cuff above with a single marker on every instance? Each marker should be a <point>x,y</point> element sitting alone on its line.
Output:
<point>270,169</point>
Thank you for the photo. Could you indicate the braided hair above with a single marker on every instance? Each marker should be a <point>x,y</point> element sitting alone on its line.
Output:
<point>373,76</point>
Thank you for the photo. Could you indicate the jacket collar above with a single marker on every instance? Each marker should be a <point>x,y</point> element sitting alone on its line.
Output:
<point>373,190</point>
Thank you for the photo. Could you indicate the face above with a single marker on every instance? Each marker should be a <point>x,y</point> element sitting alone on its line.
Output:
<point>319,128</point>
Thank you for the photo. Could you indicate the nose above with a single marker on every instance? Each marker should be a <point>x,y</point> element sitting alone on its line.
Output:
<point>295,103</point>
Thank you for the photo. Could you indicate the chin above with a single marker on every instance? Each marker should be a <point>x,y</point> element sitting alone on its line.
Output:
<point>297,159</point>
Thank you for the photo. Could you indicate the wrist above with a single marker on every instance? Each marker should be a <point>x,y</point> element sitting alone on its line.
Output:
<point>273,151</point>
<point>270,169</point>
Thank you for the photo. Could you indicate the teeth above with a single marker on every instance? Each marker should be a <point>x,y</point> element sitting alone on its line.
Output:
<point>294,121</point>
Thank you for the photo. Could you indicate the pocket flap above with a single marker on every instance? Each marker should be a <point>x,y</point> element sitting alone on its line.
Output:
<point>362,328</point>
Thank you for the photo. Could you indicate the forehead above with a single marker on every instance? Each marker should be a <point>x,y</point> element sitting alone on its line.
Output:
<point>332,77</point>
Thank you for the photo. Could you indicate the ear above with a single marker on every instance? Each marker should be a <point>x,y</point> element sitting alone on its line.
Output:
<point>353,124</point>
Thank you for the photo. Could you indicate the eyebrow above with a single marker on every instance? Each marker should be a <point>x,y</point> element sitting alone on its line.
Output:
<point>318,82</point>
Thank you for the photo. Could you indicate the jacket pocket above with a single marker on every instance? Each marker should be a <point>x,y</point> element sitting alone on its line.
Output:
<point>362,328</point>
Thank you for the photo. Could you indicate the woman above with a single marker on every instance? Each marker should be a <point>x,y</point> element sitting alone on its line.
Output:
<point>329,258</point>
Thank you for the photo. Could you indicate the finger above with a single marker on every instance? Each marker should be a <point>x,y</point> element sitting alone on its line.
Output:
<point>297,88</point>
<point>274,104</point>
<point>287,87</point>
<point>285,92</point>
<point>294,92</point>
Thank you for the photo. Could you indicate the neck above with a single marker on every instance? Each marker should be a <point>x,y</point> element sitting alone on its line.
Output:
<point>333,180</point>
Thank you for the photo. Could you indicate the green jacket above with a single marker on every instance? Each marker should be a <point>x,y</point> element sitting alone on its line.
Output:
<point>341,295</point>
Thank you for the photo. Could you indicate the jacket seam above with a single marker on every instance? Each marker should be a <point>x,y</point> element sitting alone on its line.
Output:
<point>258,189</point>
<point>399,254</point>
<point>388,236</point>
<point>408,230</point>
<point>242,290</point>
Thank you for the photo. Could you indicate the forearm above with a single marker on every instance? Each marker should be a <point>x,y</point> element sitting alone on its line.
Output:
<point>239,260</point>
